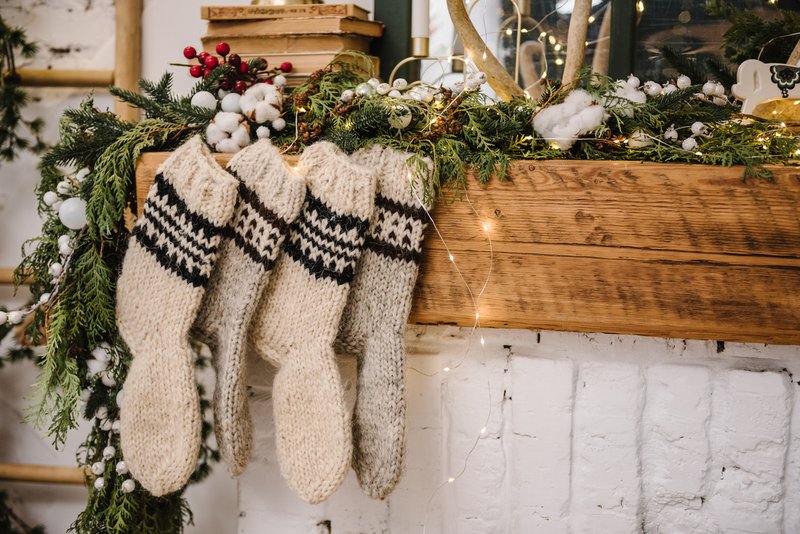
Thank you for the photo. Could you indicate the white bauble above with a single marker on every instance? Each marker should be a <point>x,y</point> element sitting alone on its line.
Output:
<point>709,88</point>
<point>279,80</point>
<point>633,81</point>
<point>3,317</point>
<point>99,483</point>
<point>365,89</point>
<point>105,425</point>
<point>109,452</point>
<point>204,99</point>
<point>698,128</point>
<point>683,81</point>
<point>719,89</point>
<point>222,93</point>
<point>128,486</point>
<point>241,136</point>
<point>400,84</point>
<point>55,269</point>
<point>84,396</point>
<point>122,468</point>
<point>65,250</point>
<point>50,198</point>
<point>383,88</point>
<point>400,118</point>
<point>101,413</point>
<point>720,100</point>
<point>689,144</point>
<point>107,379</point>
<point>101,352</point>
<point>652,89</point>
<point>81,175</point>
<point>394,93</point>
<point>98,468</point>
<point>56,205</point>
<point>262,132</point>
<point>119,398</point>
<point>669,88</point>
<point>64,240</point>
<point>96,366</point>
<point>115,426</point>
<point>44,298</point>
<point>72,213</point>
<point>347,96</point>
<point>278,124</point>
<point>374,82</point>
<point>231,103</point>
<point>15,317</point>
<point>63,187</point>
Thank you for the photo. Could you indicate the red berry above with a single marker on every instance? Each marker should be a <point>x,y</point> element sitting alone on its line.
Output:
<point>206,71</point>
<point>189,52</point>
<point>240,86</point>
<point>269,81</point>
<point>244,67</point>
<point>225,85</point>
<point>223,49</point>
<point>286,66</point>
<point>211,62</point>
<point>235,60</point>
<point>196,71</point>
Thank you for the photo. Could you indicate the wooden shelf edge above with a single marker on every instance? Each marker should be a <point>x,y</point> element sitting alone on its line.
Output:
<point>66,78</point>
<point>43,474</point>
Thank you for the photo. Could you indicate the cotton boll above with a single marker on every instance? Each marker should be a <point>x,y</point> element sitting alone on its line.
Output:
<point>214,134</point>
<point>231,103</point>
<point>274,98</point>
<point>248,104</point>
<point>278,124</point>
<point>262,132</point>
<point>683,81</point>
<point>592,117</point>
<point>265,112</point>
<point>241,136</point>
<point>579,99</point>
<point>652,89</point>
<point>227,121</point>
<point>228,145</point>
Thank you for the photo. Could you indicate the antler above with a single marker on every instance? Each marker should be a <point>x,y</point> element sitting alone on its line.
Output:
<point>499,79</point>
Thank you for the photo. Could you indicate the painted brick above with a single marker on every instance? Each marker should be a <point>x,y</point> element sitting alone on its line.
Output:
<point>791,508</point>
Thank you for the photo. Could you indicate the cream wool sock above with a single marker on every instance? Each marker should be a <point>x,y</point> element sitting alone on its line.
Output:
<point>270,198</point>
<point>298,319</point>
<point>374,321</point>
<point>164,274</point>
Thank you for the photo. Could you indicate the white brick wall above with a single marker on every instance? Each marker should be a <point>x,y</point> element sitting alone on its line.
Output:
<point>583,433</point>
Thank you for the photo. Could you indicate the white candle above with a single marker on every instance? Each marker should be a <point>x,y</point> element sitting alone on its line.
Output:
<point>420,18</point>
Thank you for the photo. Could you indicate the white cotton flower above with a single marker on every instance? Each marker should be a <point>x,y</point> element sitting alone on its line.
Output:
<point>561,124</point>
<point>262,103</point>
<point>228,145</point>
<point>241,136</point>
<point>227,121</point>
<point>265,112</point>
<point>214,134</point>
<point>228,132</point>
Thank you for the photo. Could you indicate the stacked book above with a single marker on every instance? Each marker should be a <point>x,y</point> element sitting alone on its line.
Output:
<point>309,36</point>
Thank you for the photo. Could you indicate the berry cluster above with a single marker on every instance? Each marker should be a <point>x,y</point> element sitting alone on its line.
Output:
<point>241,74</point>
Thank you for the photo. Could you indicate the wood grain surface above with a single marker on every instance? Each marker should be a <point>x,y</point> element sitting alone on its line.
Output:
<point>685,251</point>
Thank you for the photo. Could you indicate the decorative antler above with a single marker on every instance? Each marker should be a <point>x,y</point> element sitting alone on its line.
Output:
<point>576,40</point>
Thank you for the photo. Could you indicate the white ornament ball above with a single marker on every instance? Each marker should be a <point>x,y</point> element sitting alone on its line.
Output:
<point>683,81</point>
<point>383,88</point>
<point>222,93</point>
<point>204,99</point>
<point>44,298</point>
<point>709,88</point>
<point>365,89</point>
<point>108,379</point>
<point>347,96</point>
<point>101,352</point>
<point>231,103</point>
<point>57,205</point>
<point>401,117</point>
<point>3,317</point>
<point>262,132</point>
<point>698,128</point>
<point>65,250</point>
<point>394,93</point>
<point>278,124</point>
<point>109,452</point>
<point>719,90</point>
<point>670,88</point>
<point>85,394</point>
<point>115,426</point>
<point>652,89</point>
<point>101,413</point>
<point>122,468</point>
<point>374,82</point>
<point>63,187</point>
<point>63,240</point>
<point>400,84</point>
<point>128,486</point>
<point>15,317</point>
<point>105,425</point>
<point>96,366</point>
<point>50,198</point>
<point>279,80</point>
<point>72,213</point>
<point>81,175</point>
<point>119,398</point>
<point>98,468</point>
<point>55,269</point>
<point>99,483</point>
<point>633,81</point>
<point>689,144</point>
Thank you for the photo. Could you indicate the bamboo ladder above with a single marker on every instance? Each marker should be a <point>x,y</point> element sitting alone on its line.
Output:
<point>126,73</point>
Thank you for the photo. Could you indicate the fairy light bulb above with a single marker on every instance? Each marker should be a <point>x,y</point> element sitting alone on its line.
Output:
<point>451,480</point>
<point>452,258</point>
<point>483,430</point>
<point>509,32</point>
<point>446,369</point>
<point>485,227</point>
<point>483,341</point>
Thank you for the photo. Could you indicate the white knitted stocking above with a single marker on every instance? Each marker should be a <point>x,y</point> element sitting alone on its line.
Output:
<point>164,274</point>
<point>374,321</point>
<point>298,319</point>
<point>270,197</point>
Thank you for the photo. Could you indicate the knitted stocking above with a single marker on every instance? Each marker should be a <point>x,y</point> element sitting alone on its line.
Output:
<point>299,317</point>
<point>374,321</point>
<point>270,197</point>
<point>164,274</point>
